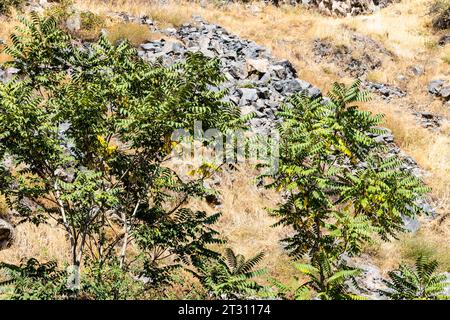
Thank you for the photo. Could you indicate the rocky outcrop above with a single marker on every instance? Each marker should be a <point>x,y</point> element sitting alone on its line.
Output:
<point>439,88</point>
<point>387,92</point>
<point>347,7</point>
<point>357,58</point>
<point>255,80</point>
<point>6,234</point>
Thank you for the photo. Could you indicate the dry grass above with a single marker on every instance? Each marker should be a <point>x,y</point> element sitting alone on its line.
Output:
<point>135,33</point>
<point>245,223</point>
<point>44,243</point>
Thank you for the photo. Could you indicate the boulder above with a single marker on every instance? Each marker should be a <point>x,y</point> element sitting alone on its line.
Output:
<point>434,86</point>
<point>6,234</point>
<point>260,65</point>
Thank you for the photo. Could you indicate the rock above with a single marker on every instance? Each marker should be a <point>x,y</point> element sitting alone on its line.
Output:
<point>444,40</point>
<point>248,109</point>
<point>73,23</point>
<point>442,21</point>
<point>247,95</point>
<point>386,91</point>
<point>434,86</point>
<point>416,70</point>
<point>411,224</point>
<point>6,234</point>
<point>171,46</point>
<point>446,291</point>
<point>445,92</point>
<point>370,281</point>
<point>260,65</point>
<point>345,7</point>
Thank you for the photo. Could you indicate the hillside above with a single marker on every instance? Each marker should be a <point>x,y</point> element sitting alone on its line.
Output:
<point>267,53</point>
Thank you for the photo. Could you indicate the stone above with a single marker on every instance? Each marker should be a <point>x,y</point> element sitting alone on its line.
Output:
<point>445,92</point>
<point>247,95</point>
<point>386,91</point>
<point>73,23</point>
<point>444,40</point>
<point>6,234</point>
<point>171,46</point>
<point>238,70</point>
<point>434,86</point>
<point>171,30</point>
<point>248,109</point>
<point>314,92</point>
<point>260,65</point>
<point>427,115</point>
<point>416,70</point>
<point>411,224</point>
<point>148,46</point>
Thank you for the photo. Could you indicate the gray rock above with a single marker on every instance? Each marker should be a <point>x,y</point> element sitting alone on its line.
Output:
<point>417,70</point>
<point>386,91</point>
<point>411,224</point>
<point>445,92</point>
<point>247,95</point>
<point>260,65</point>
<point>434,86</point>
<point>314,92</point>
<point>6,234</point>
<point>444,40</point>
<point>171,47</point>
<point>248,109</point>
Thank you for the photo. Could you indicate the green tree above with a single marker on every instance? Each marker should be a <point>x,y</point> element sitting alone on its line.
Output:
<point>340,186</point>
<point>88,129</point>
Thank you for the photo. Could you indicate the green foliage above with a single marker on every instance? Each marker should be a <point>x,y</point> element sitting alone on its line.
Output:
<point>109,282</point>
<point>32,280</point>
<point>420,282</point>
<point>229,277</point>
<point>6,5</point>
<point>339,185</point>
<point>328,282</point>
<point>89,130</point>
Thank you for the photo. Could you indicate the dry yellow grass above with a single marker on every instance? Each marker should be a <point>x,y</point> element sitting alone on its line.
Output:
<point>245,223</point>
<point>133,32</point>
<point>45,243</point>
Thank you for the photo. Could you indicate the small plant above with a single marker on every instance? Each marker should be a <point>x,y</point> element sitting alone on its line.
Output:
<point>231,276</point>
<point>32,280</point>
<point>326,281</point>
<point>341,187</point>
<point>418,282</point>
<point>440,10</point>
<point>90,26</point>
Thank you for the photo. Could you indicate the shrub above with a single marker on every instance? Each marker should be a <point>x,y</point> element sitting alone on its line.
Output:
<point>231,276</point>
<point>340,185</point>
<point>91,129</point>
<point>440,10</point>
<point>416,283</point>
<point>32,280</point>
<point>90,26</point>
